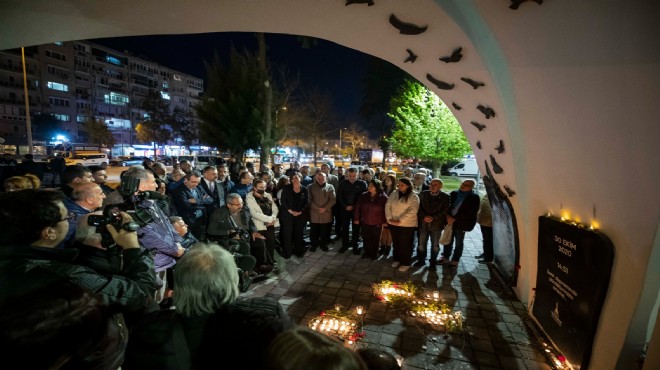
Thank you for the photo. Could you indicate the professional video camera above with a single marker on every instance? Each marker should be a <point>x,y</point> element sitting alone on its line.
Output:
<point>111,215</point>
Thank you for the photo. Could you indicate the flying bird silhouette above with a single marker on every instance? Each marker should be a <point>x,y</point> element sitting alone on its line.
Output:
<point>406,28</point>
<point>487,111</point>
<point>439,84</point>
<point>509,191</point>
<point>458,107</point>
<point>454,57</point>
<point>515,4</point>
<point>351,2</point>
<point>500,148</point>
<point>475,84</point>
<point>496,167</point>
<point>478,125</point>
<point>479,144</point>
<point>412,57</point>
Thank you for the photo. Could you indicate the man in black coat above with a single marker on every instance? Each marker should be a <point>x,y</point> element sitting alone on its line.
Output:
<point>462,216</point>
<point>349,191</point>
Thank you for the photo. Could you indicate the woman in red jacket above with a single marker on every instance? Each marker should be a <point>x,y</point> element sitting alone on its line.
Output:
<point>370,215</point>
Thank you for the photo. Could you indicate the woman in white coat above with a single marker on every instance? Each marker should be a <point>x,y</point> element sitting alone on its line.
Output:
<point>401,213</point>
<point>264,214</point>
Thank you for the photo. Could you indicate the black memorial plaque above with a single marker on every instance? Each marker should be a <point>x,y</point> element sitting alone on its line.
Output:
<point>574,268</point>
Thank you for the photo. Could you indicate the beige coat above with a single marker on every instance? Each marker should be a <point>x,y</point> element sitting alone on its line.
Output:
<point>402,210</point>
<point>321,196</point>
<point>259,218</point>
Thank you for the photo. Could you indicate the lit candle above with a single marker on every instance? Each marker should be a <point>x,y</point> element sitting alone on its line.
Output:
<point>359,310</point>
<point>436,295</point>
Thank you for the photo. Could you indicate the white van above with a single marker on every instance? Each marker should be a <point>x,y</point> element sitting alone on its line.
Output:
<point>88,159</point>
<point>467,167</point>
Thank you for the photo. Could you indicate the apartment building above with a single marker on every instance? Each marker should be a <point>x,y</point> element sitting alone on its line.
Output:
<point>78,81</point>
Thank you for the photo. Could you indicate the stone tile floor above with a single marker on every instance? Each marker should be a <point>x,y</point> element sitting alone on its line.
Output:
<point>498,331</point>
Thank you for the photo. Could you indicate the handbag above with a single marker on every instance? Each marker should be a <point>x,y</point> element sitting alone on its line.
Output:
<point>446,237</point>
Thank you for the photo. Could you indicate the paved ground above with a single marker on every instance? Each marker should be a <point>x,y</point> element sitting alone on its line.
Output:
<point>497,333</point>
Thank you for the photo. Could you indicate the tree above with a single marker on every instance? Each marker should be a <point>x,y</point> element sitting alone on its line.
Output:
<point>425,128</point>
<point>354,138</point>
<point>231,111</point>
<point>158,123</point>
<point>320,115</point>
<point>99,133</point>
<point>185,126</point>
<point>379,85</point>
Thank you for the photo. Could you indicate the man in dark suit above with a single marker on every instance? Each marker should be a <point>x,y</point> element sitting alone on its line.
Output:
<point>213,188</point>
<point>463,208</point>
<point>190,203</point>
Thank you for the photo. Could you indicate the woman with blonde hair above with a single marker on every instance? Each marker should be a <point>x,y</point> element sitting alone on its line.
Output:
<point>16,183</point>
<point>34,180</point>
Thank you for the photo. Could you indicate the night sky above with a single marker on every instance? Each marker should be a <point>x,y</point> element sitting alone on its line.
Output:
<point>326,65</point>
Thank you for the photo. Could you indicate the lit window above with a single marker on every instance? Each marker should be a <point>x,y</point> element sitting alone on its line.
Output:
<point>113,60</point>
<point>164,95</point>
<point>57,86</point>
<point>62,117</point>
<point>116,99</point>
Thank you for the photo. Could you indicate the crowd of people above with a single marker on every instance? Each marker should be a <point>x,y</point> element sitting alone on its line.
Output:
<point>162,258</point>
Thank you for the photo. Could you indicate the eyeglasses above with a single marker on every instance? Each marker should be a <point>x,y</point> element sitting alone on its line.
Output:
<point>69,217</point>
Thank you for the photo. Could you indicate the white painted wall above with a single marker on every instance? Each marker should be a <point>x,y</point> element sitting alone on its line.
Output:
<point>575,85</point>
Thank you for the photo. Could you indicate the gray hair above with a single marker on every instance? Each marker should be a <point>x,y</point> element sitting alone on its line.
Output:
<point>206,278</point>
<point>232,196</point>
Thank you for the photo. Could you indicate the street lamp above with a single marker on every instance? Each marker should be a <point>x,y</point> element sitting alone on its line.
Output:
<point>340,131</point>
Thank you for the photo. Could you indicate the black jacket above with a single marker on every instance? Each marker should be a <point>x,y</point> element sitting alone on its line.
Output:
<point>466,217</point>
<point>240,331</point>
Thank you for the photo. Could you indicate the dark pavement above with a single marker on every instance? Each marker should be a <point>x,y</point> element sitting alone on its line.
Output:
<point>498,333</point>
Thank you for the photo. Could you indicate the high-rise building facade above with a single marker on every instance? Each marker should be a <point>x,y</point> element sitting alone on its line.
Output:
<point>80,81</point>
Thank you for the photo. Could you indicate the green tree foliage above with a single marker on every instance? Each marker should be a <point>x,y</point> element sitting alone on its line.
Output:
<point>424,127</point>
<point>231,111</point>
<point>99,133</point>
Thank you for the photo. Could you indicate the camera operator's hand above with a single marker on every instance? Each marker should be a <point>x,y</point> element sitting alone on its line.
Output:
<point>125,239</point>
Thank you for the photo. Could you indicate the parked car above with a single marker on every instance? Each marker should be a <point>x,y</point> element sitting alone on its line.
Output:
<point>125,161</point>
<point>88,159</point>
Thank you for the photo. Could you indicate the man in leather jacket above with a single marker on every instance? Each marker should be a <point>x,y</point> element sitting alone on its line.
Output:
<point>34,224</point>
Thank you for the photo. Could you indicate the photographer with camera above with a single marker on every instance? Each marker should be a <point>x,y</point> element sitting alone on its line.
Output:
<point>156,234</point>
<point>34,223</point>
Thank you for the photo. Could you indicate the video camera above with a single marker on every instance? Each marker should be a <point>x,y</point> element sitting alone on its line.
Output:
<point>112,216</point>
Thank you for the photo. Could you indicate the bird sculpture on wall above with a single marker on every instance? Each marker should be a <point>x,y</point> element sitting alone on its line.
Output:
<point>406,28</point>
<point>475,84</point>
<point>478,125</point>
<point>412,57</point>
<point>509,191</point>
<point>351,2</point>
<point>456,106</point>
<point>496,167</point>
<point>479,144</point>
<point>515,4</point>
<point>455,56</point>
<point>439,84</point>
<point>487,111</point>
<point>500,148</point>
